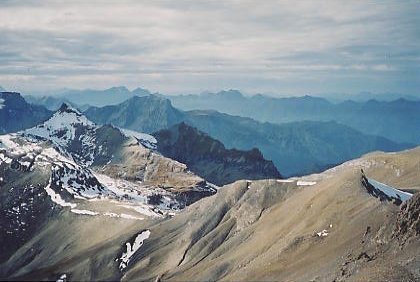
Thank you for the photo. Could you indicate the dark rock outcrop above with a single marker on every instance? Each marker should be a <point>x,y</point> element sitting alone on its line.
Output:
<point>208,157</point>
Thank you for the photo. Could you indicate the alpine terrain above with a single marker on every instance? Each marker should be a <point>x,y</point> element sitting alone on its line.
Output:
<point>237,141</point>
<point>356,222</point>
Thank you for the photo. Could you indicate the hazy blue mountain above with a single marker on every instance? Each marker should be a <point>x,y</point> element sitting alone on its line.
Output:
<point>295,148</point>
<point>82,99</point>
<point>397,120</point>
<point>208,157</point>
<point>109,96</point>
<point>145,114</point>
<point>52,103</point>
<point>2,89</point>
<point>366,96</point>
<point>16,114</point>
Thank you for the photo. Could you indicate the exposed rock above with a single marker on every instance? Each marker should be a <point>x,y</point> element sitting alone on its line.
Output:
<point>210,159</point>
<point>408,221</point>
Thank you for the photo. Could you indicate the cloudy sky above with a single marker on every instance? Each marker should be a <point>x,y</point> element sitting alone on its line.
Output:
<point>277,47</point>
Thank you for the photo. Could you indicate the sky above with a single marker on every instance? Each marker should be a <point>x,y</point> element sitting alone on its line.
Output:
<point>179,47</point>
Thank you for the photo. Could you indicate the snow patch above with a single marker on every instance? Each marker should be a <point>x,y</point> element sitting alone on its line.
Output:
<point>145,139</point>
<point>62,278</point>
<point>56,198</point>
<point>1,103</point>
<point>389,191</point>
<point>285,180</point>
<point>305,183</point>
<point>132,249</point>
<point>323,233</point>
<point>84,212</point>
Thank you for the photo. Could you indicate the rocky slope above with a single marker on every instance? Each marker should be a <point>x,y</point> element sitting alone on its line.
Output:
<point>322,227</point>
<point>16,114</point>
<point>68,165</point>
<point>67,162</point>
<point>210,159</point>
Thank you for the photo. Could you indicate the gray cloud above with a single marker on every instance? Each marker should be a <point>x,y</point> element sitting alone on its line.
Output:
<point>282,47</point>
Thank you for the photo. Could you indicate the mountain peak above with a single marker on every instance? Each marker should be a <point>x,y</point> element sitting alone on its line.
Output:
<point>61,127</point>
<point>118,89</point>
<point>141,92</point>
<point>66,108</point>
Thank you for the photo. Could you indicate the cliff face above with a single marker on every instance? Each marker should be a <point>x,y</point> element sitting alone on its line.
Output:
<point>408,223</point>
<point>210,159</point>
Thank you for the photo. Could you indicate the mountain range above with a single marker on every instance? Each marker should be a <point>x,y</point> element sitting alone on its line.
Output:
<point>85,98</point>
<point>397,120</point>
<point>390,115</point>
<point>127,192</point>
<point>295,148</point>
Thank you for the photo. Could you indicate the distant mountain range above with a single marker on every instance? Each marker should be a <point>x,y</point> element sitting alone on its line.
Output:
<point>85,98</point>
<point>397,120</point>
<point>295,148</point>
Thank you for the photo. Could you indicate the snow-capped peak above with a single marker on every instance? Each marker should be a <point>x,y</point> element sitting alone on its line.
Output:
<point>61,127</point>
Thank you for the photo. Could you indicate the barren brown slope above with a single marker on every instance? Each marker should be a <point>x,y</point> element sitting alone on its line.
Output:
<point>267,230</point>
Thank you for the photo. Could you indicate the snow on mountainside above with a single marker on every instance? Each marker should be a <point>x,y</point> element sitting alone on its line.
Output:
<point>69,167</point>
<point>73,133</point>
<point>146,140</point>
<point>92,162</point>
<point>61,127</point>
<point>69,183</point>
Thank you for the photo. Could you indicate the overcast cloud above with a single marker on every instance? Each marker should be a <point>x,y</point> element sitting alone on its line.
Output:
<point>283,47</point>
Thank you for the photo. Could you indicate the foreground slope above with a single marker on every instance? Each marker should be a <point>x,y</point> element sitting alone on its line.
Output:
<point>321,227</point>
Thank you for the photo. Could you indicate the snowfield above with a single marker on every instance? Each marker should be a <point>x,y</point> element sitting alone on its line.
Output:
<point>305,183</point>
<point>389,191</point>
